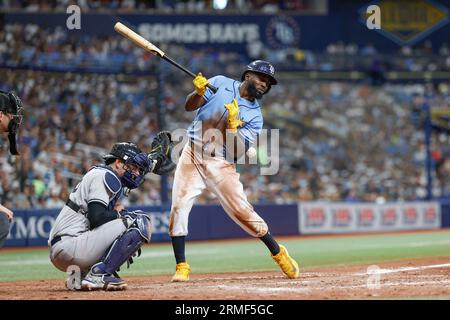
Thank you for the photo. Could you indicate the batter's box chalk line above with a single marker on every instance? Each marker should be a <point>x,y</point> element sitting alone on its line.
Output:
<point>404,269</point>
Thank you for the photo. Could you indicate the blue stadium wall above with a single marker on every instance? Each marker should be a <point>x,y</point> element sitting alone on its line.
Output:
<point>32,227</point>
<point>345,22</point>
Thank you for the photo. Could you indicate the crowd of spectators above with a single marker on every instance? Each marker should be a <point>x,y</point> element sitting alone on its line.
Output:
<point>354,142</point>
<point>342,56</point>
<point>30,46</point>
<point>166,6</point>
<point>338,140</point>
<point>70,121</point>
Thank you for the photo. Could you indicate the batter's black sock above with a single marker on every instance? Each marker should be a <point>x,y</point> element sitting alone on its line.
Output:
<point>270,242</point>
<point>178,248</point>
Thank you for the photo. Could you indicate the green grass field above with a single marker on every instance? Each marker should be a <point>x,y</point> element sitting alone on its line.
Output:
<point>248,255</point>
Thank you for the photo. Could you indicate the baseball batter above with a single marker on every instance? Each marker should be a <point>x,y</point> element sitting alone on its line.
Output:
<point>10,120</point>
<point>93,231</point>
<point>234,109</point>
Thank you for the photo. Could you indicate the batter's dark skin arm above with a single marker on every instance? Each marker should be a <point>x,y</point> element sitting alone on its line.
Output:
<point>194,101</point>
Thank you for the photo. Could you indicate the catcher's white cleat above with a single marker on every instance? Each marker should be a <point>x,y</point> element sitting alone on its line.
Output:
<point>102,282</point>
<point>95,280</point>
<point>73,281</point>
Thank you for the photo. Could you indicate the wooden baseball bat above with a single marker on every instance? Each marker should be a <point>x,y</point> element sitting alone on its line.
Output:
<point>150,47</point>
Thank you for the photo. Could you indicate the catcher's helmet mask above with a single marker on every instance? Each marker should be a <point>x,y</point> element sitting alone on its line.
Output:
<point>133,160</point>
<point>262,67</point>
<point>11,105</point>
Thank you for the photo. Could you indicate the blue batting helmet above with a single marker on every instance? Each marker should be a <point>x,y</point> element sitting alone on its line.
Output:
<point>264,67</point>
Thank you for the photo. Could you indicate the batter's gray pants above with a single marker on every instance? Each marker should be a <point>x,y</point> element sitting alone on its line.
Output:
<point>86,249</point>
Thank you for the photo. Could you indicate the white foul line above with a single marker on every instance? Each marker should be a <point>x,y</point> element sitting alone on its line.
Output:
<point>313,288</point>
<point>260,289</point>
<point>402,269</point>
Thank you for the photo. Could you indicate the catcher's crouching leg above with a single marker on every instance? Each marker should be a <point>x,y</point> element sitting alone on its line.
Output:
<point>103,275</point>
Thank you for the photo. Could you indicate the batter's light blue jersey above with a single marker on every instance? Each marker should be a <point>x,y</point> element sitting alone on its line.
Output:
<point>213,113</point>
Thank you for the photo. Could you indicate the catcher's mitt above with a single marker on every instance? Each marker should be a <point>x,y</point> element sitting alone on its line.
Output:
<point>161,151</point>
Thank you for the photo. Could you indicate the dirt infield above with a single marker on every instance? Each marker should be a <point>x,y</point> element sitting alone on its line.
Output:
<point>424,278</point>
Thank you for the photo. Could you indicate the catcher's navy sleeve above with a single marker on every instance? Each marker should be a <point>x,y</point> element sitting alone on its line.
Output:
<point>98,214</point>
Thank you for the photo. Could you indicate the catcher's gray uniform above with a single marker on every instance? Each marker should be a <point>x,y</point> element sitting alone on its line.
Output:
<point>79,245</point>
<point>93,233</point>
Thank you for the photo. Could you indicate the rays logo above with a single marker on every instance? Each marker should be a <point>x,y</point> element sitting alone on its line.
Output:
<point>282,32</point>
<point>406,21</point>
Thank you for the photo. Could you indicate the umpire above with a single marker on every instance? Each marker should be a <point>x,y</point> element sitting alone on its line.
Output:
<point>10,120</point>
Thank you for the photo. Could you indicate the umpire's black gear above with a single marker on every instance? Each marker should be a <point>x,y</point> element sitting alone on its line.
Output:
<point>12,105</point>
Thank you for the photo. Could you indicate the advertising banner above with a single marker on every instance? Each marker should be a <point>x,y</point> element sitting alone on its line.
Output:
<point>325,217</point>
<point>32,227</point>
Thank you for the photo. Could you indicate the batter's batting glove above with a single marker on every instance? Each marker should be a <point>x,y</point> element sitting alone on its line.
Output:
<point>233,120</point>
<point>200,83</point>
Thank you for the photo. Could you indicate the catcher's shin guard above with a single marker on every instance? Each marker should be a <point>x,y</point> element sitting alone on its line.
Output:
<point>122,250</point>
<point>126,246</point>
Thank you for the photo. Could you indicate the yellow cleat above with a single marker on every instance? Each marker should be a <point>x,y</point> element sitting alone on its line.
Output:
<point>286,263</point>
<point>181,272</point>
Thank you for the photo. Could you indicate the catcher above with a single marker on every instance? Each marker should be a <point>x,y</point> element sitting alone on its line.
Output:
<point>93,230</point>
<point>234,108</point>
<point>10,120</point>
